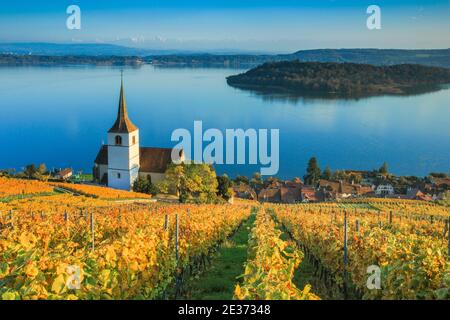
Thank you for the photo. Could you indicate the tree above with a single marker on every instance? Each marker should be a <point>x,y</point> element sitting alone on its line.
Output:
<point>326,173</point>
<point>175,175</point>
<point>224,187</point>
<point>41,172</point>
<point>30,171</point>
<point>192,182</point>
<point>257,181</point>
<point>241,179</point>
<point>384,168</point>
<point>438,175</point>
<point>141,185</point>
<point>312,172</point>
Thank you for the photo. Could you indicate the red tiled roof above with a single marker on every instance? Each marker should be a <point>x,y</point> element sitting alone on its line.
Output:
<point>65,172</point>
<point>151,159</point>
<point>290,195</point>
<point>270,195</point>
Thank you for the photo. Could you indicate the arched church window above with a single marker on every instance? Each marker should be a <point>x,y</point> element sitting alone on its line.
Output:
<point>118,140</point>
<point>118,175</point>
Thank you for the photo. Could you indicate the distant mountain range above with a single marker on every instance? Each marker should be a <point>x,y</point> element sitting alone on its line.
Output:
<point>378,57</point>
<point>85,51</point>
<point>74,49</point>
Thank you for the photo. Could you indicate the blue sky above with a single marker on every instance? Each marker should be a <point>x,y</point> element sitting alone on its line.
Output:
<point>255,25</point>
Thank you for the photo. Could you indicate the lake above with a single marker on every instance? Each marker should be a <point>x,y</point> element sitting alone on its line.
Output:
<point>60,116</point>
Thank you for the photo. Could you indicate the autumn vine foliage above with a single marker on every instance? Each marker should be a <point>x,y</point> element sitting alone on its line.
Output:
<point>270,268</point>
<point>117,252</point>
<point>411,254</point>
<point>11,187</point>
<point>100,192</point>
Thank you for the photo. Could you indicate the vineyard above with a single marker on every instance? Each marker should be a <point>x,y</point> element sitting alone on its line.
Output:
<point>14,187</point>
<point>412,253</point>
<point>74,246</point>
<point>270,268</point>
<point>119,252</point>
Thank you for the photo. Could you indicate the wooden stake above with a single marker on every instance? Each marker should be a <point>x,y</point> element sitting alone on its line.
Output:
<point>92,231</point>
<point>448,236</point>
<point>166,222</point>
<point>176,237</point>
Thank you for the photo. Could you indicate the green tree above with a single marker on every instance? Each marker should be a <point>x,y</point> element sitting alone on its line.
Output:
<point>384,168</point>
<point>241,179</point>
<point>224,187</point>
<point>141,185</point>
<point>312,172</point>
<point>30,171</point>
<point>327,173</point>
<point>193,182</point>
<point>438,175</point>
<point>257,181</point>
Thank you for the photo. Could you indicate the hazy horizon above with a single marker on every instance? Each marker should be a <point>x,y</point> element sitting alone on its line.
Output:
<point>257,26</point>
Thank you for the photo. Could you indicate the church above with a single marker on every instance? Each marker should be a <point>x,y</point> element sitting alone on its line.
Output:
<point>122,160</point>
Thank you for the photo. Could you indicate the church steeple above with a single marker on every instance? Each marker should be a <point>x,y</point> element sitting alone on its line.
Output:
<point>123,124</point>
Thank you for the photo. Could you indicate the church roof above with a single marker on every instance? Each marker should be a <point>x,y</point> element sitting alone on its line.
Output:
<point>151,159</point>
<point>123,124</point>
<point>102,155</point>
<point>154,159</point>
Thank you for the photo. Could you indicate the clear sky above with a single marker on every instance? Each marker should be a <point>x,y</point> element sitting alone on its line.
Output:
<point>256,25</point>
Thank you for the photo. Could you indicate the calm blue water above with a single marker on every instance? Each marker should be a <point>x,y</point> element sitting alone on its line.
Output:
<point>60,115</point>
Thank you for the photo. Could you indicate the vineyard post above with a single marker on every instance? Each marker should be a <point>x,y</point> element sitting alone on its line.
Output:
<point>166,222</point>
<point>176,237</point>
<point>66,216</point>
<point>390,217</point>
<point>177,275</point>
<point>345,238</point>
<point>11,218</point>
<point>357,225</point>
<point>448,236</point>
<point>345,253</point>
<point>92,231</point>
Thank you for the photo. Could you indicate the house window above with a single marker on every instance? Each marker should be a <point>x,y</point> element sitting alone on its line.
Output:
<point>134,139</point>
<point>118,175</point>
<point>118,140</point>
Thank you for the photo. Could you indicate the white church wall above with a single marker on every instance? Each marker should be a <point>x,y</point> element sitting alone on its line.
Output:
<point>119,179</point>
<point>155,176</point>
<point>123,159</point>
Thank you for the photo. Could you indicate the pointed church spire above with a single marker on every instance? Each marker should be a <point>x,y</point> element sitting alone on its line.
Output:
<point>123,124</point>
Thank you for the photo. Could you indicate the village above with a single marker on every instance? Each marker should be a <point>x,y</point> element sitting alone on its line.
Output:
<point>345,184</point>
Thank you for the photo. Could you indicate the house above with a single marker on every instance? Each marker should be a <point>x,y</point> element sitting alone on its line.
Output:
<point>269,195</point>
<point>384,189</point>
<point>340,189</point>
<point>119,163</point>
<point>309,194</point>
<point>244,191</point>
<point>64,174</point>
<point>416,194</point>
<point>290,195</point>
